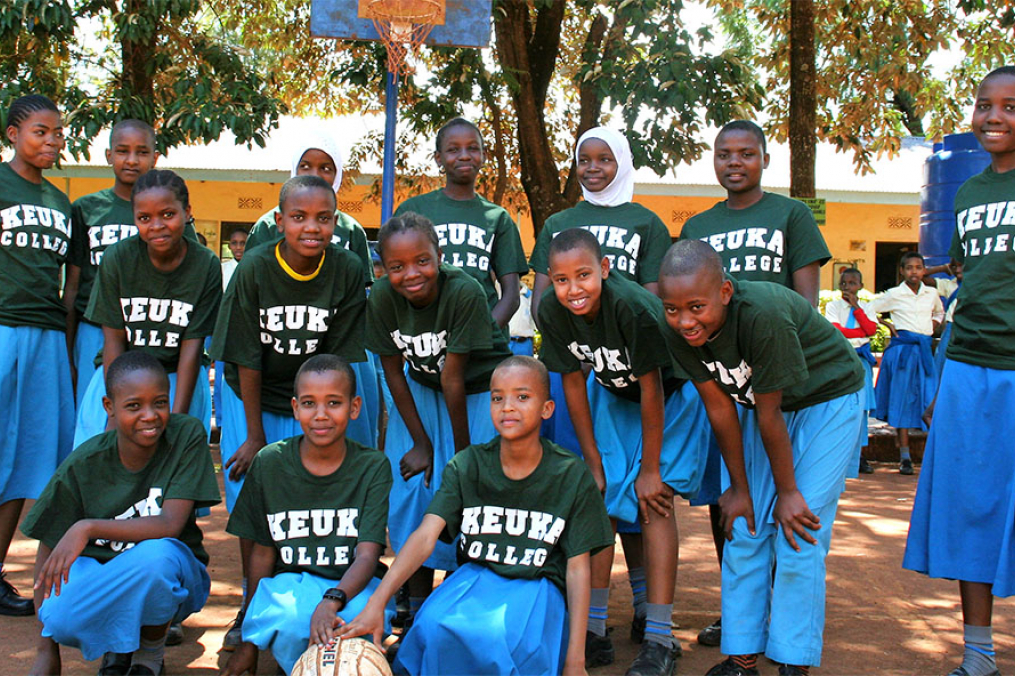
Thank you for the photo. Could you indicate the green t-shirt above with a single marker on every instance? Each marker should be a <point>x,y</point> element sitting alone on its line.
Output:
<point>272,323</point>
<point>349,234</point>
<point>525,529</point>
<point>158,310</point>
<point>103,219</point>
<point>984,320</point>
<point>314,522</point>
<point>623,342</point>
<point>35,240</point>
<point>632,237</point>
<point>92,483</point>
<point>772,340</point>
<point>458,322</point>
<point>475,235</point>
<point>766,242</point>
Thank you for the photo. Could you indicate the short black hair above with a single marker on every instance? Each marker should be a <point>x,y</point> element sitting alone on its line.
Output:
<point>130,362</point>
<point>851,271</point>
<point>162,178</point>
<point>1003,70</point>
<point>297,183</point>
<point>691,257</point>
<point>135,125</point>
<point>575,238</point>
<point>24,106</point>
<point>748,126</point>
<point>451,124</point>
<point>910,255</point>
<point>326,363</point>
<point>409,221</point>
<point>237,229</point>
<point>538,368</point>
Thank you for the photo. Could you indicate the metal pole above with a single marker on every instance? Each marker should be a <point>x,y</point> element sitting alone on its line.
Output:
<point>390,121</point>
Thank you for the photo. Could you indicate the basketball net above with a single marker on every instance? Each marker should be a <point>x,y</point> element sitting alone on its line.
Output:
<point>403,26</point>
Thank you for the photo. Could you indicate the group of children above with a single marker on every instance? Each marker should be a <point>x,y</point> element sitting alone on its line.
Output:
<point>510,474</point>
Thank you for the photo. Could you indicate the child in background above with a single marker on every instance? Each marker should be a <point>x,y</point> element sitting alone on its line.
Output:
<point>120,553</point>
<point>287,302</point>
<point>854,319</point>
<point>787,451</point>
<point>907,378</point>
<point>302,579</point>
<point>434,317</point>
<point>157,292</point>
<point>948,289</point>
<point>475,235</point>
<point>237,246</point>
<point>529,515</point>
<point>961,528</point>
<point>104,217</point>
<point>760,237</point>
<point>634,240</point>
<point>642,430</point>
<point>36,393</point>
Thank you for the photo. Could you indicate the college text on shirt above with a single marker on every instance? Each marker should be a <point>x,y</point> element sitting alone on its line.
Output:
<point>280,319</point>
<point>738,379</point>
<point>538,527</point>
<point>618,239</point>
<point>297,524</point>
<point>33,216</point>
<point>750,238</point>
<point>986,217</point>
<point>424,346</point>
<point>458,234</point>
<point>159,310</point>
<point>150,506</point>
<point>102,236</point>
<point>604,359</point>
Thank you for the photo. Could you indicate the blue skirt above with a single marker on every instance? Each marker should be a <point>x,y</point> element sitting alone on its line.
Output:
<point>364,428</point>
<point>963,522</point>
<point>617,426</point>
<point>88,342</point>
<point>559,429</point>
<point>278,617</point>
<point>942,348</point>
<point>478,622</point>
<point>104,605</point>
<point>711,478</point>
<point>409,499</point>
<point>905,387</point>
<point>36,409</point>
<point>824,448</point>
<point>92,417</point>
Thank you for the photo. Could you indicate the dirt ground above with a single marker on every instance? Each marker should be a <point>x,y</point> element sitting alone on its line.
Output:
<point>880,619</point>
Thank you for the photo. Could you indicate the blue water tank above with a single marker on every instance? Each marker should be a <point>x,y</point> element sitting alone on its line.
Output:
<point>958,158</point>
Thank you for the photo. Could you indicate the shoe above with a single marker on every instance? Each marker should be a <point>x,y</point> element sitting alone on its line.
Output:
<point>654,659</point>
<point>174,636</point>
<point>598,650</point>
<point>961,671</point>
<point>142,670</point>
<point>865,467</point>
<point>712,634</point>
<point>12,603</point>
<point>730,668</point>
<point>115,664</point>
<point>392,650</point>
<point>906,467</point>
<point>234,637</point>
<point>638,629</point>
<point>789,670</point>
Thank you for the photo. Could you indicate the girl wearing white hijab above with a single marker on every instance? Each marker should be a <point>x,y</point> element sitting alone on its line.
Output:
<point>634,239</point>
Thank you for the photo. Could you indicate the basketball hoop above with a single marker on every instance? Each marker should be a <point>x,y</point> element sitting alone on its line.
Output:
<point>403,26</point>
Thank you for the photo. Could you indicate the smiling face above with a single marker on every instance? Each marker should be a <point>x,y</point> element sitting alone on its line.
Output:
<point>577,278</point>
<point>38,141</point>
<point>412,263</point>
<point>695,304</point>
<point>324,404</point>
<point>160,219</point>
<point>317,163</point>
<point>461,155</point>
<point>307,222</point>
<point>994,120</point>
<point>739,162</point>
<point>139,406</point>
<point>237,244</point>
<point>597,166</point>
<point>131,155</point>
<point>518,403</point>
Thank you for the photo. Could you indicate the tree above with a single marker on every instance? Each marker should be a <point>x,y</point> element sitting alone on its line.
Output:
<point>155,60</point>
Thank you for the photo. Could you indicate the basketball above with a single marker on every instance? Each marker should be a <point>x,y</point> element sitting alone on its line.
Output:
<point>346,657</point>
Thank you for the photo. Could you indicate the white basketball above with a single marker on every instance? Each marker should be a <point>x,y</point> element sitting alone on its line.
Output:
<point>345,657</point>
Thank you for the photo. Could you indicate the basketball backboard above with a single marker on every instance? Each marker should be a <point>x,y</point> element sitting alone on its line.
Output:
<point>466,23</point>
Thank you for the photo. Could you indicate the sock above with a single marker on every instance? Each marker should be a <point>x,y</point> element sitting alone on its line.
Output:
<point>639,590</point>
<point>414,605</point>
<point>904,453</point>
<point>745,661</point>
<point>659,623</point>
<point>599,601</point>
<point>150,653</point>
<point>979,657</point>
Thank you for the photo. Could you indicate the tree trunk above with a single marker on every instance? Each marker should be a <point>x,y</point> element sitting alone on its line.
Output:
<point>138,85</point>
<point>802,99</point>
